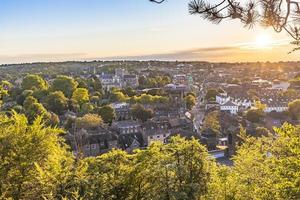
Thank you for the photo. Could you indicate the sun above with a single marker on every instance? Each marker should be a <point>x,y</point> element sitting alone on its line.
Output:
<point>263,41</point>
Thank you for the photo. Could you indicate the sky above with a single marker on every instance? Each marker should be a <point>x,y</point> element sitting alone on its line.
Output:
<point>59,30</point>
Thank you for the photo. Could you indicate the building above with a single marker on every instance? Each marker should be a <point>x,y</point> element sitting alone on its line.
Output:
<point>156,131</point>
<point>122,111</point>
<point>130,81</point>
<point>126,126</point>
<point>230,106</point>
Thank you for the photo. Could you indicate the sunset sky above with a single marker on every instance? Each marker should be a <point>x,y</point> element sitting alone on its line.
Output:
<point>58,30</point>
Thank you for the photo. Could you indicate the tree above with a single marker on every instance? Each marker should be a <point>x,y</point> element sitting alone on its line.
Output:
<point>279,14</point>
<point>212,123</point>
<point>65,84</point>
<point>211,94</point>
<point>129,91</point>
<point>190,101</point>
<point>34,160</point>
<point>178,170</point>
<point>108,176</point>
<point>34,82</point>
<point>294,109</point>
<point>80,95</point>
<point>265,167</point>
<point>118,96</point>
<point>139,112</point>
<point>57,102</point>
<point>255,115</point>
<point>89,121</point>
<point>107,113</point>
<point>3,94</point>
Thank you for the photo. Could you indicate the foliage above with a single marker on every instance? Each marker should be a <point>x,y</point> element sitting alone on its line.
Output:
<point>211,94</point>
<point>34,82</point>
<point>265,168</point>
<point>89,121</point>
<point>153,82</point>
<point>278,14</point>
<point>65,84</point>
<point>81,96</point>
<point>149,99</point>
<point>33,109</point>
<point>255,115</point>
<point>33,162</point>
<point>118,96</point>
<point>107,113</point>
<point>178,170</point>
<point>57,102</point>
<point>294,109</point>
<point>212,123</point>
<point>141,113</point>
<point>190,101</point>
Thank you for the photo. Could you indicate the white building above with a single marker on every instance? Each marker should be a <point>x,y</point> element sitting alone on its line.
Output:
<point>230,106</point>
<point>276,107</point>
<point>222,98</point>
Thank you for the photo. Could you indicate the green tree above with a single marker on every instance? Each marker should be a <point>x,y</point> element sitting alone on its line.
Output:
<point>190,101</point>
<point>107,113</point>
<point>34,159</point>
<point>108,176</point>
<point>212,123</point>
<point>34,82</point>
<point>294,109</point>
<point>65,84</point>
<point>57,102</point>
<point>139,112</point>
<point>211,94</point>
<point>89,121</point>
<point>80,95</point>
<point>266,167</point>
<point>255,115</point>
<point>34,109</point>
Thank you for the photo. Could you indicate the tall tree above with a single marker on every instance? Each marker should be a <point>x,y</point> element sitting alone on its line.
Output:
<point>294,109</point>
<point>57,102</point>
<point>65,84</point>
<point>34,82</point>
<point>107,113</point>
<point>33,159</point>
<point>141,113</point>
<point>81,96</point>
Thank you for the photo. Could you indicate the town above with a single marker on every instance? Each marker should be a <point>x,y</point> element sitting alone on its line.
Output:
<point>128,105</point>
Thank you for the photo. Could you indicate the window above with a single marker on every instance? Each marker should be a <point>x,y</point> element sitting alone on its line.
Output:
<point>151,137</point>
<point>158,136</point>
<point>93,146</point>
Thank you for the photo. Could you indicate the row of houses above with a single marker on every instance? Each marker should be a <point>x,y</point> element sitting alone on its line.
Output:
<point>236,104</point>
<point>128,135</point>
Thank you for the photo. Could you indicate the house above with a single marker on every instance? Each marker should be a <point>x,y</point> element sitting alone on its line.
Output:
<point>122,111</point>
<point>93,142</point>
<point>230,106</point>
<point>156,131</point>
<point>222,98</point>
<point>109,81</point>
<point>276,106</point>
<point>130,81</point>
<point>126,126</point>
<point>131,141</point>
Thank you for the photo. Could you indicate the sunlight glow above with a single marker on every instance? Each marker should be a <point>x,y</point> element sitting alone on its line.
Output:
<point>263,41</point>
